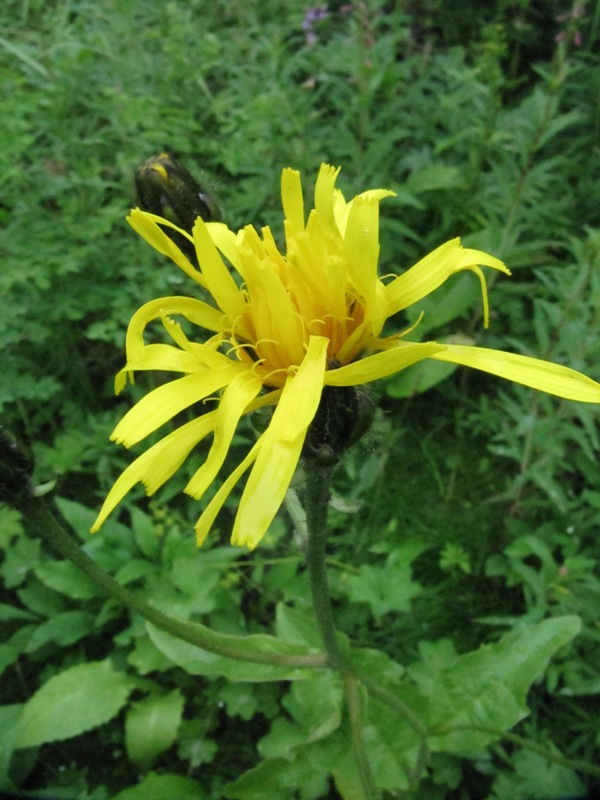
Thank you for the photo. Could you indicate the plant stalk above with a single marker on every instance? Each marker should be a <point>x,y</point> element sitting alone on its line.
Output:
<point>317,499</point>
<point>236,647</point>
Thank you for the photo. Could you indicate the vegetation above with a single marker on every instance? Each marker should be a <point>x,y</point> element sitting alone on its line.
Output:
<point>464,526</point>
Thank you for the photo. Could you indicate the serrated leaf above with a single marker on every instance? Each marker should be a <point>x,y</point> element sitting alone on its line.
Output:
<point>391,742</point>
<point>151,726</point>
<point>388,587</point>
<point>146,657</point>
<point>164,787</point>
<point>489,686</point>
<point>315,707</point>
<point>276,778</point>
<point>72,702</point>
<point>536,776</point>
<point>240,700</point>
<point>40,599</point>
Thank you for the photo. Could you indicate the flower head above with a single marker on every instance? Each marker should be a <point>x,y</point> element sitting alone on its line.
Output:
<point>279,327</point>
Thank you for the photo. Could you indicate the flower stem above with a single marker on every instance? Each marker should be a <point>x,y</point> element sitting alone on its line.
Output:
<point>317,498</point>
<point>243,648</point>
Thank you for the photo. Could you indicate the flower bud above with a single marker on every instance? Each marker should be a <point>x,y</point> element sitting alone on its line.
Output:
<point>344,414</point>
<point>166,188</point>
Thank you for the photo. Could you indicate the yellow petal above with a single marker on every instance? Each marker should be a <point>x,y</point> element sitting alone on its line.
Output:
<point>165,357</point>
<point>371,368</point>
<point>157,464</point>
<point>341,208</point>
<point>275,317</point>
<point>236,397</point>
<point>147,226</point>
<point>324,194</point>
<point>280,449</point>
<point>543,375</point>
<point>266,487</point>
<point>432,271</point>
<point>225,240</point>
<point>209,514</point>
<point>218,278</point>
<point>302,392</point>
<point>196,311</point>
<point>361,246</point>
<point>161,405</point>
<point>292,199</point>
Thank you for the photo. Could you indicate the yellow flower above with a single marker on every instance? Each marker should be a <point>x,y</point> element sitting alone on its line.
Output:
<point>281,327</point>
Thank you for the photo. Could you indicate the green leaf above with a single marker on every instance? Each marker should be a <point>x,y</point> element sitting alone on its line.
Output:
<point>72,702</point>
<point>9,612</point>
<point>276,778</point>
<point>11,525</point>
<point>296,626</point>
<point>240,700</point>
<point>21,557</point>
<point>145,533</point>
<point>434,177</point>
<point>391,741</point>
<point>315,707</point>
<point>376,664</point>
<point>146,658</point>
<point>64,629</point>
<point>151,726</point>
<point>535,776</point>
<point>78,516</point>
<point>164,787</point>
<point>388,587</point>
<point>489,686</point>
<point>64,577</point>
<point>200,662</point>
<point>9,717</point>
<point>40,599</point>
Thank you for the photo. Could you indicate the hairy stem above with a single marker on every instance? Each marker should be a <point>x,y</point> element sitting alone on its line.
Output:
<point>236,647</point>
<point>317,498</point>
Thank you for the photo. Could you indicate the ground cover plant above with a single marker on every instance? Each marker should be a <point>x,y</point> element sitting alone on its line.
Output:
<point>463,527</point>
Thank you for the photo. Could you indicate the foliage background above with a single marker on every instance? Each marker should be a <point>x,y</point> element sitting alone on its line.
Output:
<point>484,117</point>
